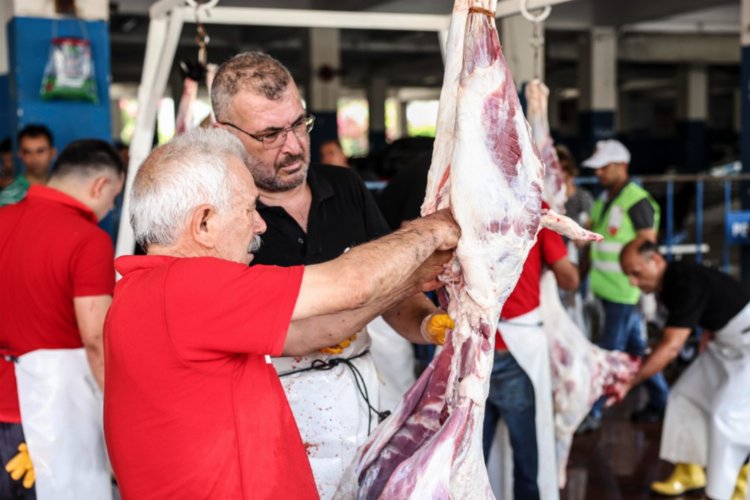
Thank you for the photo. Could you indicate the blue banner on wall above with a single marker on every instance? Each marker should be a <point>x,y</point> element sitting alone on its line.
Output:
<point>737,226</point>
<point>29,42</point>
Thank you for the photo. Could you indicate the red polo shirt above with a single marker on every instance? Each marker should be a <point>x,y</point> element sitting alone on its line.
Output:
<point>549,248</point>
<point>192,408</point>
<point>51,250</point>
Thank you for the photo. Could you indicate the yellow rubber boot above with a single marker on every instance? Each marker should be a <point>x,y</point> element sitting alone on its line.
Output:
<point>740,489</point>
<point>684,478</point>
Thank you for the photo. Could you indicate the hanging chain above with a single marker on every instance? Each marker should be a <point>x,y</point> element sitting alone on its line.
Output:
<point>537,37</point>
<point>537,45</point>
<point>201,38</point>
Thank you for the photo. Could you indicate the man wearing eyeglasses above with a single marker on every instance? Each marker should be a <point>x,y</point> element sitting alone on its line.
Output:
<point>314,213</point>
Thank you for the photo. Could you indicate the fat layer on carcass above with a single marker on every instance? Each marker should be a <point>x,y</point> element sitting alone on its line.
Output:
<point>486,168</point>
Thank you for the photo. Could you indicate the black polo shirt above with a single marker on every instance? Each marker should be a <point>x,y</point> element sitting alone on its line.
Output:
<point>342,214</point>
<point>696,295</point>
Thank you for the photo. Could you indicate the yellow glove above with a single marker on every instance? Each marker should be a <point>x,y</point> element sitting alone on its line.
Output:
<point>20,466</point>
<point>435,327</point>
<point>339,348</point>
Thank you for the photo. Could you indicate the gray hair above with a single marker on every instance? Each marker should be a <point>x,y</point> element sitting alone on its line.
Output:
<point>255,72</point>
<point>189,171</point>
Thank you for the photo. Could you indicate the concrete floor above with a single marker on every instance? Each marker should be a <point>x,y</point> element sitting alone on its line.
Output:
<point>619,461</point>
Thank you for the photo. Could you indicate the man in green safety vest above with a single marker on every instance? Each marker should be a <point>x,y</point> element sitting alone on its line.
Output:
<point>623,212</point>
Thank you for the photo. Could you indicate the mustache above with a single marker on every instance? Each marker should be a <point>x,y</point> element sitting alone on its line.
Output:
<point>255,244</point>
<point>288,160</point>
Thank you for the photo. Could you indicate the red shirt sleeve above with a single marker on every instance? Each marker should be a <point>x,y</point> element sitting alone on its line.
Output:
<point>552,246</point>
<point>214,307</point>
<point>93,267</point>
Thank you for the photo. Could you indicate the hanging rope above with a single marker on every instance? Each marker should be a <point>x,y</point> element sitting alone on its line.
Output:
<point>537,37</point>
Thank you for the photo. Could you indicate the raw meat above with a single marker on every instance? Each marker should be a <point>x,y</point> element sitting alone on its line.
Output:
<point>486,168</point>
<point>581,372</point>
<point>537,95</point>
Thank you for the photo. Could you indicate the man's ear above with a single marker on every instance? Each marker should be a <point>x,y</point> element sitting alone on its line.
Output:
<point>97,186</point>
<point>203,226</point>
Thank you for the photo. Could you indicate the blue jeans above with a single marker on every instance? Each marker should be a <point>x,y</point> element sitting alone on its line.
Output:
<point>623,331</point>
<point>511,398</point>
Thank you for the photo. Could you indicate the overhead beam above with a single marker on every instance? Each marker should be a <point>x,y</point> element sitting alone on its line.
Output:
<point>308,18</point>
<point>621,13</point>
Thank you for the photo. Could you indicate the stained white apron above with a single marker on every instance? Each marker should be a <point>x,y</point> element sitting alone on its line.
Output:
<point>394,359</point>
<point>707,421</point>
<point>331,414</point>
<point>528,344</point>
<point>61,414</point>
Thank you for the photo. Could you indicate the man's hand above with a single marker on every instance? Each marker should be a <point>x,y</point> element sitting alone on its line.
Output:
<point>339,348</point>
<point>435,327</point>
<point>619,393</point>
<point>20,466</point>
<point>429,272</point>
<point>446,228</point>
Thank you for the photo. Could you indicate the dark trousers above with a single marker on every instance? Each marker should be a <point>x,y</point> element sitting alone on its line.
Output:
<point>623,331</point>
<point>511,398</point>
<point>11,435</point>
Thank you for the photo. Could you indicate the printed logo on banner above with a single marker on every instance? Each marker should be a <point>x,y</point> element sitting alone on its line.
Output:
<point>737,228</point>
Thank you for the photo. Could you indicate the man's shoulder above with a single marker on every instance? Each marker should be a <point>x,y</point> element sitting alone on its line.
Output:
<point>335,175</point>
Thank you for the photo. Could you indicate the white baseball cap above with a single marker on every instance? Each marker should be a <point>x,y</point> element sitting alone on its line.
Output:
<point>609,151</point>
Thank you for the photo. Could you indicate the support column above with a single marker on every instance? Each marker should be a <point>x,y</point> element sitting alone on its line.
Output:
<point>6,14</point>
<point>377,92</point>
<point>515,35</point>
<point>693,115</point>
<point>325,63</point>
<point>403,122</point>
<point>597,75</point>
<point>745,132</point>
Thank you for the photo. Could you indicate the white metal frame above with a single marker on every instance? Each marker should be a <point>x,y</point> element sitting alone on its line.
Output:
<point>168,17</point>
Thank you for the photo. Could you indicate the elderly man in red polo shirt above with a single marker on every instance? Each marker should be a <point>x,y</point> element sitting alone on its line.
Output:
<point>193,407</point>
<point>57,281</point>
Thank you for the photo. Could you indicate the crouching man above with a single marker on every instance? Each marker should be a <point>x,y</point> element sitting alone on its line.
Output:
<point>193,407</point>
<point>707,422</point>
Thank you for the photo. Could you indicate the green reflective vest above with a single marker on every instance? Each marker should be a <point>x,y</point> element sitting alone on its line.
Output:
<point>607,279</point>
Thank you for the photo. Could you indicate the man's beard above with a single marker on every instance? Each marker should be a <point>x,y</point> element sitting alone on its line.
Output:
<point>255,244</point>
<point>275,184</point>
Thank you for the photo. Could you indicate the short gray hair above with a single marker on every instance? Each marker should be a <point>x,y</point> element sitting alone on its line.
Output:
<point>189,171</point>
<point>255,72</point>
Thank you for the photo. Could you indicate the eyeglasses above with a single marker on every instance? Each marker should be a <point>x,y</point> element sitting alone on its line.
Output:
<point>275,138</point>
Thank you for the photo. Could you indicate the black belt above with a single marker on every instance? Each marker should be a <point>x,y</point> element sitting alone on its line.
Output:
<point>359,380</point>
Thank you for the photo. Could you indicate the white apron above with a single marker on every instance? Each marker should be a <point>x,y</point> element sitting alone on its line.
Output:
<point>394,359</point>
<point>331,414</point>
<point>707,421</point>
<point>528,344</point>
<point>61,414</point>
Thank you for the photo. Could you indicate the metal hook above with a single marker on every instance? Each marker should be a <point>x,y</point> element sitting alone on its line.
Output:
<point>535,18</point>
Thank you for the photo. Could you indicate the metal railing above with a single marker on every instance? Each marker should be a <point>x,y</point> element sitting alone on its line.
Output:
<point>710,192</point>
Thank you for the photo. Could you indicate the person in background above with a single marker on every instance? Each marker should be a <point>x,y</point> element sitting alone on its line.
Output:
<point>520,387</point>
<point>6,165</point>
<point>36,150</point>
<point>331,153</point>
<point>707,422</point>
<point>577,207</point>
<point>624,211</point>
<point>315,213</point>
<point>58,276</point>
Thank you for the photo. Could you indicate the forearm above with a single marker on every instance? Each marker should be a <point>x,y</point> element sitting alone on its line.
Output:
<point>330,329</point>
<point>392,261</point>
<point>95,357</point>
<point>664,353</point>
<point>406,318</point>
<point>404,260</point>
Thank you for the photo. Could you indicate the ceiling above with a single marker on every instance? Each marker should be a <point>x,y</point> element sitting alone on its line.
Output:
<point>412,59</point>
